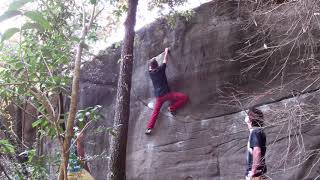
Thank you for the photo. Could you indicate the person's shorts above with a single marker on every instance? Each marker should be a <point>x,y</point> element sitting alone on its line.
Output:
<point>80,175</point>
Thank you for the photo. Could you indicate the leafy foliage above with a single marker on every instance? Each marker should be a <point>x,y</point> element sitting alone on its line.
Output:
<point>173,16</point>
<point>6,147</point>
<point>36,69</point>
<point>170,3</point>
<point>89,113</point>
<point>37,17</point>
<point>9,33</point>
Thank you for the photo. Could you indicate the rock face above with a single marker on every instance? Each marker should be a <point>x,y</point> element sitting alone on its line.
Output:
<point>208,137</point>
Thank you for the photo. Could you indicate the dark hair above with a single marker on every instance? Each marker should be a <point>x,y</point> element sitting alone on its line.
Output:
<point>256,117</point>
<point>153,63</point>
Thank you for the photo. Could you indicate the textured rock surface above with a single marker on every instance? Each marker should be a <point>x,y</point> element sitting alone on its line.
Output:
<point>207,139</point>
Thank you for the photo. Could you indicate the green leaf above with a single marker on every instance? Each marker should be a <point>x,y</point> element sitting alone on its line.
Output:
<point>9,14</point>
<point>6,147</point>
<point>9,33</point>
<point>31,155</point>
<point>93,1</point>
<point>31,26</point>
<point>18,4</point>
<point>51,132</point>
<point>37,123</point>
<point>37,17</point>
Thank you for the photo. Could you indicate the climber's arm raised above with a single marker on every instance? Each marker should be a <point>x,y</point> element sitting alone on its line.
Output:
<point>166,52</point>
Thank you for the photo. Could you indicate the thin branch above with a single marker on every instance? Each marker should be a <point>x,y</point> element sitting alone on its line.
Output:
<point>45,102</point>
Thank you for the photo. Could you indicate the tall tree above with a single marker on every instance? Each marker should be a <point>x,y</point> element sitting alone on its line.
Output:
<point>118,144</point>
<point>74,95</point>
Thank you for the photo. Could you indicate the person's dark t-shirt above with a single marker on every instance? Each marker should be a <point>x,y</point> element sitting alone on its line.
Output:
<point>159,80</point>
<point>257,138</point>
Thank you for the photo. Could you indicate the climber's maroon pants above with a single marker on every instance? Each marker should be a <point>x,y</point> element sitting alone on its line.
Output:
<point>177,100</point>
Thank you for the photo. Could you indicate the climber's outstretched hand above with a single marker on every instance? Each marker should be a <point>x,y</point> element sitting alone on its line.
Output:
<point>166,50</point>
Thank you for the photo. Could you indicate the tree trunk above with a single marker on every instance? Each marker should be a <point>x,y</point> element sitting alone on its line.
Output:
<point>18,122</point>
<point>74,98</point>
<point>72,114</point>
<point>118,144</point>
<point>22,159</point>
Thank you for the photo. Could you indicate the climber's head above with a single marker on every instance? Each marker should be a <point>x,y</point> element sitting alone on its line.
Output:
<point>153,63</point>
<point>254,117</point>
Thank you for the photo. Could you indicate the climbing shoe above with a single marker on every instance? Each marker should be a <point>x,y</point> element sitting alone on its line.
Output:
<point>173,113</point>
<point>148,131</point>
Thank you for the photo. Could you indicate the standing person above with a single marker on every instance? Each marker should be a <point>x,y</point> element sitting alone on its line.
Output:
<point>78,168</point>
<point>162,91</point>
<point>256,166</point>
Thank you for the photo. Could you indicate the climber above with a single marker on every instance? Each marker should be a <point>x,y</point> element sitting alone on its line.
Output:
<point>256,149</point>
<point>78,168</point>
<point>162,91</point>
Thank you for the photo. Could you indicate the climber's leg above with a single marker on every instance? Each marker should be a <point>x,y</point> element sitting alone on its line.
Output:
<point>156,110</point>
<point>177,100</point>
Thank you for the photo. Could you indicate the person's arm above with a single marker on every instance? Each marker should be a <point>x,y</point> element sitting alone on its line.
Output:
<point>256,159</point>
<point>166,52</point>
<point>81,153</point>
